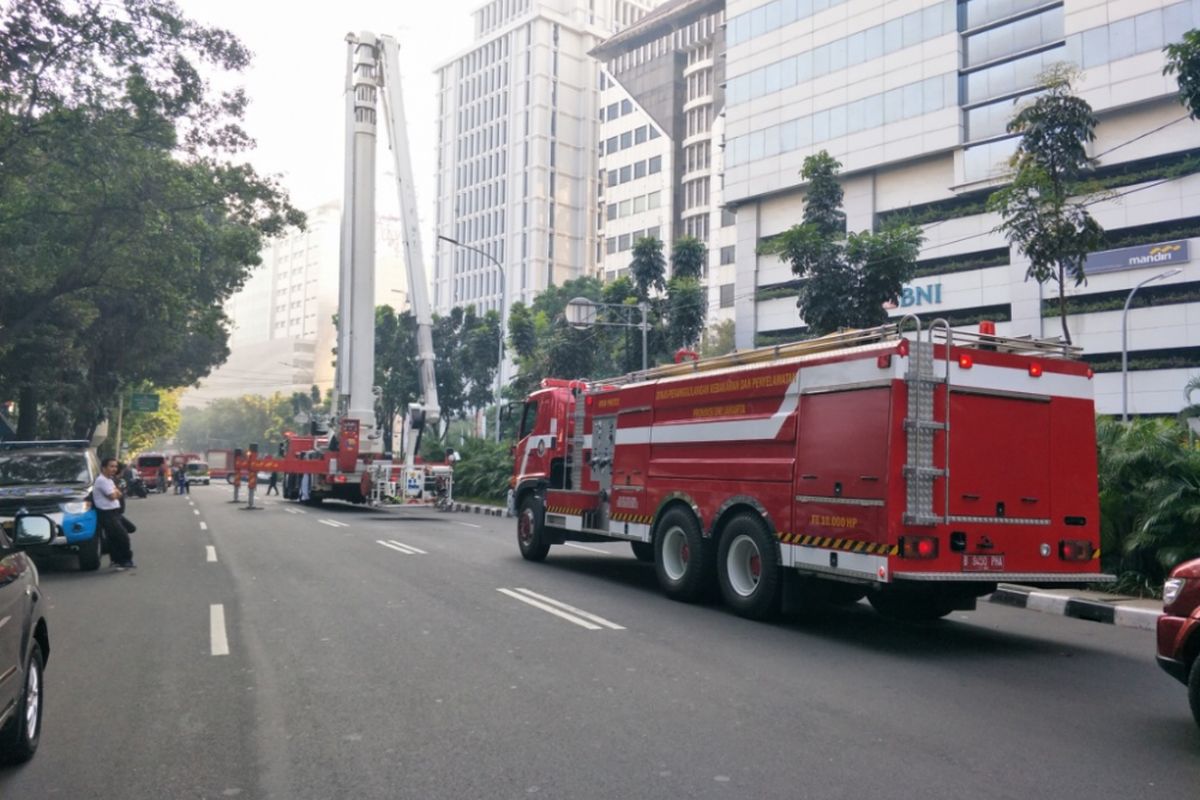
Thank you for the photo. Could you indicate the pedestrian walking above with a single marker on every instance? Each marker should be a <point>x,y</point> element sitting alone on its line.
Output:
<point>162,479</point>
<point>185,485</point>
<point>273,484</point>
<point>107,499</point>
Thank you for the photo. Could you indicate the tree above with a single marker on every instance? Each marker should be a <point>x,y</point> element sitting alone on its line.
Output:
<point>1041,211</point>
<point>718,339</point>
<point>847,279</point>
<point>123,222</point>
<point>688,258</point>
<point>1183,59</point>
<point>142,430</point>
<point>648,267</point>
<point>236,422</point>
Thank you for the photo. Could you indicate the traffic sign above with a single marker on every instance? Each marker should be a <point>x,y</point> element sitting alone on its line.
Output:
<point>144,402</point>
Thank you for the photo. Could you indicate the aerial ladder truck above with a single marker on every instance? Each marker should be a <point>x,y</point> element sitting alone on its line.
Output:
<point>350,464</point>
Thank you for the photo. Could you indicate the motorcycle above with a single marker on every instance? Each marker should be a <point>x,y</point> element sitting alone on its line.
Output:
<point>134,486</point>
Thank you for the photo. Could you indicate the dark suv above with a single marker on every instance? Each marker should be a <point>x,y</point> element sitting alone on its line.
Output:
<point>55,479</point>
<point>24,639</point>
<point>1179,630</point>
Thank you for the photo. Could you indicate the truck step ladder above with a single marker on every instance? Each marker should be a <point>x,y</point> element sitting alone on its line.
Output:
<point>920,471</point>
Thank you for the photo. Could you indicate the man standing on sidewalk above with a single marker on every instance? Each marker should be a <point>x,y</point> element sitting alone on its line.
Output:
<point>107,499</point>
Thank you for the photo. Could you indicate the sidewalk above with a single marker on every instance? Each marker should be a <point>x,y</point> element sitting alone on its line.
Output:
<point>1112,609</point>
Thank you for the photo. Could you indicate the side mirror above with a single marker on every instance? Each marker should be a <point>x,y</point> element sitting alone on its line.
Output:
<point>32,530</point>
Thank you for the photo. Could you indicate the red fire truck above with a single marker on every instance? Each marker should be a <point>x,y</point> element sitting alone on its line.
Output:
<point>915,469</point>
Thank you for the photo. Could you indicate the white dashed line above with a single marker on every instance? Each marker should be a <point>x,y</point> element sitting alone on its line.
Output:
<point>466,524</point>
<point>295,511</point>
<point>216,629</point>
<point>583,619</point>
<point>333,523</point>
<point>211,553</point>
<point>203,526</point>
<point>589,549</point>
<point>196,511</point>
<point>401,547</point>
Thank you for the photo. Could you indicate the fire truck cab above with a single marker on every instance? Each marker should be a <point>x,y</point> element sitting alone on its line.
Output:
<point>916,470</point>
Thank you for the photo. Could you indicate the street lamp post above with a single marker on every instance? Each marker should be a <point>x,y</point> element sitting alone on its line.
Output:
<point>503,293</point>
<point>581,313</point>
<point>1125,338</point>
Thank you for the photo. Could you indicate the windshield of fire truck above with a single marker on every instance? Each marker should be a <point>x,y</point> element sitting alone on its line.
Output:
<point>527,419</point>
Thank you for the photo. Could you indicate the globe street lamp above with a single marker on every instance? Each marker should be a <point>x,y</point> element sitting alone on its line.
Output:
<point>1124,340</point>
<point>503,287</point>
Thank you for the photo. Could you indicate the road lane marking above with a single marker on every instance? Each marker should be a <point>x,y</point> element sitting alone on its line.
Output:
<point>216,630</point>
<point>570,613</point>
<point>293,511</point>
<point>211,553</point>
<point>467,524</point>
<point>407,549</point>
<point>203,526</point>
<point>589,549</point>
<point>333,523</point>
<point>196,511</point>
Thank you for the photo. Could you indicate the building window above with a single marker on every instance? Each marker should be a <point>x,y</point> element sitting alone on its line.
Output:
<point>727,254</point>
<point>655,165</point>
<point>727,295</point>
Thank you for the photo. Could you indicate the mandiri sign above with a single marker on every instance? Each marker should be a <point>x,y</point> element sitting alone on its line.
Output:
<point>1147,255</point>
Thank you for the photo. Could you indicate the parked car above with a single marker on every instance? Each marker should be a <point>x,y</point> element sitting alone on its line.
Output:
<point>24,638</point>
<point>55,479</point>
<point>197,472</point>
<point>1179,630</point>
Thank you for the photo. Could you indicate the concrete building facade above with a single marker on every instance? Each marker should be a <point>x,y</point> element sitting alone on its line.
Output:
<point>912,97</point>
<point>518,122</point>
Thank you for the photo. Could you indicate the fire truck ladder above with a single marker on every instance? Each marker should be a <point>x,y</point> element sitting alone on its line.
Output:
<point>921,428</point>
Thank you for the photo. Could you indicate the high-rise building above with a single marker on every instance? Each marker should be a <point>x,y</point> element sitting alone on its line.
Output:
<point>671,64</point>
<point>913,99</point>
<point>282,333</point>
<point>518,122</point>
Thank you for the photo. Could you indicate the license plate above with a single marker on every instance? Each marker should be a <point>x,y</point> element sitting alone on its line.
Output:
<point>983,563</point>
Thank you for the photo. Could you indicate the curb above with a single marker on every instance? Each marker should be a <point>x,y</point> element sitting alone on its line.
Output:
<point>475,508</point>
<point>1110,613</point>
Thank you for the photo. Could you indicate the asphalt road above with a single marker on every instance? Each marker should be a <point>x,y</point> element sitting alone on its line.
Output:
<point>414,654</point>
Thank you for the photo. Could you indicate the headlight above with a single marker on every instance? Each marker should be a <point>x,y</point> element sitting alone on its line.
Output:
<point>76,507</point>
<point>1171,590</point>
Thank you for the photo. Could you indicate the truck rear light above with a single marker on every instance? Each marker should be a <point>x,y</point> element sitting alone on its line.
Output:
<point>883,362</point>
<point>1091,373</point>
<point>918,547</point>
<point>339,478</point>
<point>1075,550</point>
<point>1035,370</point>
<point>965,361</point>
<point>902,347</point>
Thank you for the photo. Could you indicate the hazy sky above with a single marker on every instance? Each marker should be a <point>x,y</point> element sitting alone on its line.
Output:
<point>295,84</point>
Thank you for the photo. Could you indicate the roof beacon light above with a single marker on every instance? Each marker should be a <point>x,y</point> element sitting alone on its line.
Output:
<point>987,327</point>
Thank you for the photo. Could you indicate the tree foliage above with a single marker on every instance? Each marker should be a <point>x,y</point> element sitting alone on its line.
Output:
<point>124,221</point>
<point>847,278</point>
<point>230,423</point>
<point>144,430</point>
<point>1149,499</point>
<point>1183,60</point>
<point>648,267</point>
<point>1042,210</point>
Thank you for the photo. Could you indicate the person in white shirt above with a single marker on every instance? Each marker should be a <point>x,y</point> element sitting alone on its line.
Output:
<point>107,499</point>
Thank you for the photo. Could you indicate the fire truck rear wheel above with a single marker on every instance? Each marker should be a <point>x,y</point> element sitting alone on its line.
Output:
<point>748,568</point>
<point>1194,689</point>
<point>643,551</point>
<point>531,530</point>
<point>682,558</point>
<point>909,607</point>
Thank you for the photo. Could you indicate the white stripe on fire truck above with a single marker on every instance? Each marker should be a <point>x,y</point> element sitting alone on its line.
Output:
<point>860,564</point>
<point>1008,379</point>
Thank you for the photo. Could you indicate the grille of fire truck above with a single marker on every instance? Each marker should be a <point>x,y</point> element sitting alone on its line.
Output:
<point>1025,345</point>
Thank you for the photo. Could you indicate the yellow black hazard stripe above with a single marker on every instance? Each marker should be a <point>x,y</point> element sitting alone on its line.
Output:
<point>642,519</point>
<point>833,543</point>
<point>568,510</point>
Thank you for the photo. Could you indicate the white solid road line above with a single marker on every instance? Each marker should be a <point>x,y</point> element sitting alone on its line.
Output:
<point>211,553</point>
<point>333,523</point>
<point>203,526</point>
<point>407,549</point>
<point>216,626</point>
<point>589,549</point>
<point>558,609</point>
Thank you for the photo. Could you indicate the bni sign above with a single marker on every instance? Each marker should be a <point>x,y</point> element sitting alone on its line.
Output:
<point>1147,255</point>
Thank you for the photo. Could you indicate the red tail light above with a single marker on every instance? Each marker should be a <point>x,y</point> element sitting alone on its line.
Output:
<point>918,547</point>
<point>883,362</point>
<point>1075,550</point>
<point>1035,370</point>
<point>902,348</point>
<point>965,361</point>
